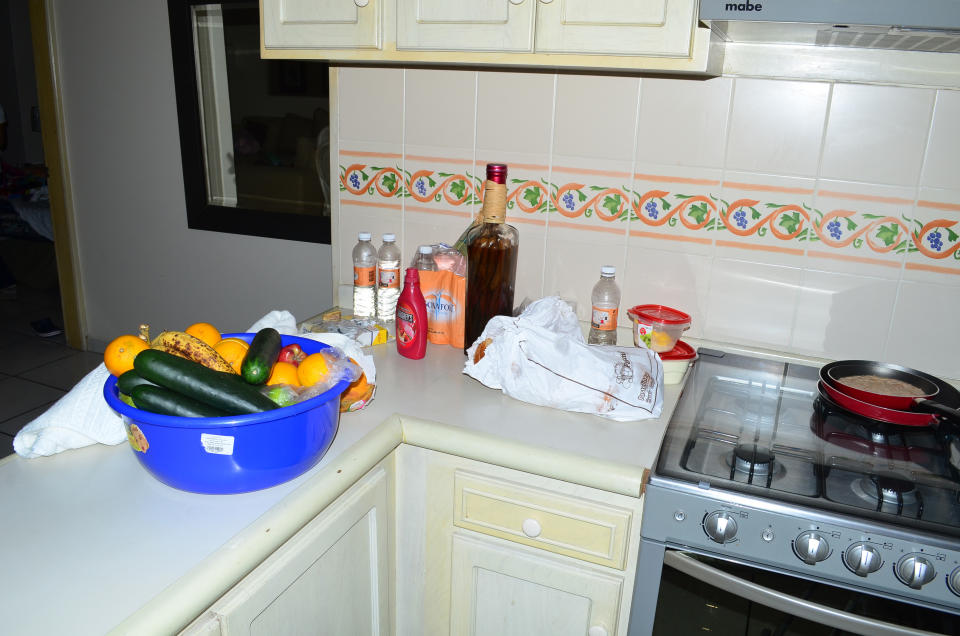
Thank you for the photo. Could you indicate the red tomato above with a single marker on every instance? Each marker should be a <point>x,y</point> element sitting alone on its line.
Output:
<point>292,353</point>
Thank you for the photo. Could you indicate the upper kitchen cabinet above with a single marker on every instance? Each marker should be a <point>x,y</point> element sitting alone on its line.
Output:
<point>635,35</point>
<point>322,24</point>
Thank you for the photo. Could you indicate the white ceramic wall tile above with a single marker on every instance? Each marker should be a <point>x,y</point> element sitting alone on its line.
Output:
<point>776,126</point>
<point>667,278</point>
<point>683,122</point>
<point>840,316</point>
<point>592,199</point>
<point>573,261</point>
<point>439,111</point>
<point>924,335</point>
<point>673,212</point>
<point>751,303</point>
<point>935,238</point>
<point>861,229</point>
<point>530,261</point>
<point>941,168</point>
<point>514,117</point>
<point>371,105</point>
<point>596,117</point>
<point>877,134</point>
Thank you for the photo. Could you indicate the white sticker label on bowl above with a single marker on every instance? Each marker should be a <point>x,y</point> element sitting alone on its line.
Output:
<point>217,444</point>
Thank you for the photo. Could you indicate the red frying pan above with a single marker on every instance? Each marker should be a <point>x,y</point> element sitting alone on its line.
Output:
<point>894,406</point>
<point>882,414</point>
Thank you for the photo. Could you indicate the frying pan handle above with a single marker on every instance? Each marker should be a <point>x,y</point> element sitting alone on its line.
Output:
<point>941,409</point>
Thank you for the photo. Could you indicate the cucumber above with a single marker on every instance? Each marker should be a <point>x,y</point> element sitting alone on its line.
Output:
<point>130,379</point>
<point>224,391</point>
<point>261,356</point>
<point>157,399</point>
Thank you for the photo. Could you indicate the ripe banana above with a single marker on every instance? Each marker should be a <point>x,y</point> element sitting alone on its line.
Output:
<point>190,347</point>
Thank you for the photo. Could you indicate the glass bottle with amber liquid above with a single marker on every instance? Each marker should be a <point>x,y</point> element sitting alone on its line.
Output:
<point>491,258</point>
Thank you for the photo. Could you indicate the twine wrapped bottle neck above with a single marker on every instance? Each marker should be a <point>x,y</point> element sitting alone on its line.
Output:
<point>494,208</point>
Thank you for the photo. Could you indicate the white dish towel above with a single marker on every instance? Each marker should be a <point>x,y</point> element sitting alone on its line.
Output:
<point>82,417</point>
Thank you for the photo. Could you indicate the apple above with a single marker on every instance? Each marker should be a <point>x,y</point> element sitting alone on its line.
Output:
<point>292,353</point>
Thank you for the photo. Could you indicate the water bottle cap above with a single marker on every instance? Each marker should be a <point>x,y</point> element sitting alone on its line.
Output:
<point>426,249</point>
<point>363,236</point>
<point>389,238</point>
<point>608,270</point>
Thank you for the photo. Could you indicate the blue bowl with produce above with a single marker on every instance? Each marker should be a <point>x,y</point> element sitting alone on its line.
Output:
<point>234,453</point>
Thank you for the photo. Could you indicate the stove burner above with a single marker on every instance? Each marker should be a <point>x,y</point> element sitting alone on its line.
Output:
<point>752,458</point>
<point>886,491</point>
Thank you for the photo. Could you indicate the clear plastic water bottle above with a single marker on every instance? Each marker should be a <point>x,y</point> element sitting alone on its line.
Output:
<point>364,277</point>
<point>606,304</point>
<point>424,259</point>
<point>388,278</point>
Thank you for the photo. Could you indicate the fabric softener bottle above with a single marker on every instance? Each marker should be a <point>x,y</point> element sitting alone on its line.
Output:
<point>411,322</point>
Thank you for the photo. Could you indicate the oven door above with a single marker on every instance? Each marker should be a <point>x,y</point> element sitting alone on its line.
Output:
<point>697,594</point>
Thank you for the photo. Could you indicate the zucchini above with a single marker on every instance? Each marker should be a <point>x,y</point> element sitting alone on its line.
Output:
<point>224,391</point>
<point>261,356</point>
<point>157,399</point>
<point>130,379</point>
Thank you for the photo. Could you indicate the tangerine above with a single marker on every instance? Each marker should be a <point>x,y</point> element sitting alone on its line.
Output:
<point>284,373</point>
<point>204,331</point>
<point>357,394</point>
<point>233,351</point>
<point>119,354</point>
<point>313,369</point>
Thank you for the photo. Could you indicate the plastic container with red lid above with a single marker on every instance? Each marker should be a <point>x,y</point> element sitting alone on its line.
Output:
<point>676,361</point>
<point>659,327</point>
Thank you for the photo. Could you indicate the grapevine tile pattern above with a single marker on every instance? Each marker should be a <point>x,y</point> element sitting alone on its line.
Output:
<point>792,224</point>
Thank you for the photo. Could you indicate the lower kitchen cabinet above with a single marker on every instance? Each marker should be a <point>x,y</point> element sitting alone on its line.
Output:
<point>332,577</point>
<point>500,589</point>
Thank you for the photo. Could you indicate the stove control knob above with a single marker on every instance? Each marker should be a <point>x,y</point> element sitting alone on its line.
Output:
<point>811,547</point>
<point>953,581</point>
<point>720,526</point>
<point>862,559</point>
<point>915,570</point>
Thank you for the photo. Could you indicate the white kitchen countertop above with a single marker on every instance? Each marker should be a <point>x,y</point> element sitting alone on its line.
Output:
<point>89,540</point>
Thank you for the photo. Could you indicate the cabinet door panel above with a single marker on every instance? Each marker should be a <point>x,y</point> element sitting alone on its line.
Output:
<point>332,577</point>
<point>616,27</point>
<point>480,25</point>
<point>500,589</point>
<point>321,24</point>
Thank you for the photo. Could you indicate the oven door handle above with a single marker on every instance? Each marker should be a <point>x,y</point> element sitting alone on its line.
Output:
<point>784,602</point>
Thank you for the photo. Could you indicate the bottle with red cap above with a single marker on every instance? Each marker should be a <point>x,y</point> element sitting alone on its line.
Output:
<point>411,320</point>
<point>492,249</point>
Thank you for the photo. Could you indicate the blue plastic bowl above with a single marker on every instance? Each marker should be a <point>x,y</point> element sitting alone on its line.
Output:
<point>224,455</point>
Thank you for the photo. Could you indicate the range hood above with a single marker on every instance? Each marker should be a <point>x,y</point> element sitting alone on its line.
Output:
<point>902,25</point>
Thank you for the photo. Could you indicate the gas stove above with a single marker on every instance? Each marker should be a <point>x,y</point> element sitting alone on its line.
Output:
<point>758,467</point>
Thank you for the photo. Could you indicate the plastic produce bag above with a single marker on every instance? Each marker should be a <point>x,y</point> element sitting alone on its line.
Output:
<point>541,357</point>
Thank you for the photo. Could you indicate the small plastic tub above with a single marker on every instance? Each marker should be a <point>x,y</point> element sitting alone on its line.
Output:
<point>233,454</point>
<point>658,327</point>
<point>676,361</point>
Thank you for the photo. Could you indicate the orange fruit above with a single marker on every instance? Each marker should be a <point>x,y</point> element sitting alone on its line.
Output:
<point>119,354</point>
<point>313,369</point>
<point>204,331</point>
<point>358,392</point>
<point>284,373</point>
<point>233,351</point>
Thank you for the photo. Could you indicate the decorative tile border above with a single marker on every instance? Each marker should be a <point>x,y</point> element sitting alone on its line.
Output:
<point>661,210</point>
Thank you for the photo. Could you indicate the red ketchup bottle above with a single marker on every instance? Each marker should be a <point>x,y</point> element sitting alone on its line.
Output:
<point>411,323</point>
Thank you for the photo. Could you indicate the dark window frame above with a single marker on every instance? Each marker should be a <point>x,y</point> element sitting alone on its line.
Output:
<point>201,215</point>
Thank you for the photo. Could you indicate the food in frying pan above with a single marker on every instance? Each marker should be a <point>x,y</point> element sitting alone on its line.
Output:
<point>882,386</point>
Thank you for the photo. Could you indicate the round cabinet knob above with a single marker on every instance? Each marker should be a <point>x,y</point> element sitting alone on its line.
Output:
<point>811,547</point>
<point>915,570</point>
<point>531,528</point>
<point>862,559</point>
<point>720,526</point>
<point>361,3</point>
<point>597,630</point>
<point>953,581</point>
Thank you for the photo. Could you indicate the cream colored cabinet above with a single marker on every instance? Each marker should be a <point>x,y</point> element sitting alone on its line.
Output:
<point>322,24</point>
<point>491,550</point>
<point>332,577</point>
<point>456,25</point>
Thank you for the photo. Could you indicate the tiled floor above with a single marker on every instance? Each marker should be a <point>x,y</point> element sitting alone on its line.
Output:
<point>34,372</point>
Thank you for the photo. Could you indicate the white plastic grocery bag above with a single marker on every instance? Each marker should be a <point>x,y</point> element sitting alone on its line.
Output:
<point>541,357</point>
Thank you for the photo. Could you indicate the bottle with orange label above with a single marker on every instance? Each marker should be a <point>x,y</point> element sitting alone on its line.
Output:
<point>388,278</point>
<point>364,277</point>
<point>606,304</point>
